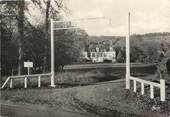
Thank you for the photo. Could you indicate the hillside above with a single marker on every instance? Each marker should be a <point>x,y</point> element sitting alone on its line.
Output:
<point>149,37</point>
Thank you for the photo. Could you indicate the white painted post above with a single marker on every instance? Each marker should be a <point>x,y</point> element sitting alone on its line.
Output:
<point>128,55</point>
<point>11,83</point>
<point>151,91</point>
<point>142,88</point>
<point>25,82</point>
<point>39,81</point>
<point>162,89</point>
<point>52,55</point>
<point>134,85</point>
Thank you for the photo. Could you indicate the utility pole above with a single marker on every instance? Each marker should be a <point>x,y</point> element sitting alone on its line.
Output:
<point>128,54</point>
<point>52,55</point>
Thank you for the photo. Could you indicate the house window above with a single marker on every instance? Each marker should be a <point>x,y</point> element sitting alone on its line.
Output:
<point>93,54</point>
<point>104,54</point>
<point>101,54</point>
<point>98,55</point>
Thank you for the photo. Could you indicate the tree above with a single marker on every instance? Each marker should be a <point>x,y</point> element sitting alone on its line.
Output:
<point>21,7</point>
<point>136,54</point>
<point>68,45</point>
<point>121,55</point>
<point>51,10</point>
<point>8,50</point>
<point>10,8</point>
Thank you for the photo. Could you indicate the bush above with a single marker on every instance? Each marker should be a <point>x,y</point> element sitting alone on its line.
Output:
<point>73,78</point>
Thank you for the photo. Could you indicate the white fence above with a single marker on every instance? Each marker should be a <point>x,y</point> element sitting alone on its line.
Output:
<point>160,85</point>
<point>25,77</point>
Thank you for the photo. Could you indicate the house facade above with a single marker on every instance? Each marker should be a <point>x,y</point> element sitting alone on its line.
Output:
<point>99,54</point>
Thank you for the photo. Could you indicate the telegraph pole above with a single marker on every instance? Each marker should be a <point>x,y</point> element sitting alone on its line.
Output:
<point>52,55</point>
<point>128,54</point>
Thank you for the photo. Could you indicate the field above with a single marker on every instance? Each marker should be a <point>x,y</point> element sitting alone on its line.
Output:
<point>86,74</point>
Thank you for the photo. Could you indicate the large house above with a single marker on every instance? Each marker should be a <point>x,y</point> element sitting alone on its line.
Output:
<point>99,54</point>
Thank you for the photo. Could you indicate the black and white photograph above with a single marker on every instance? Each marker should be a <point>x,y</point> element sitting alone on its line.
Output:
<point>85,58</point>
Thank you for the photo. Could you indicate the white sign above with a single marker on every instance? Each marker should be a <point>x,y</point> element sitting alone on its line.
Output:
<point>28,64</point>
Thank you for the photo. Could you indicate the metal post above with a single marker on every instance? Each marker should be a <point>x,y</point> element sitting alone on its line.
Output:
<point>128,55</point>
<point>162,90</point>
<point>28,71</point>
<point>52,55</point>
<point>12,72</point>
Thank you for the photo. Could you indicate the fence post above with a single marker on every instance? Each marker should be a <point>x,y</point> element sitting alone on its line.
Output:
<point>162,89</point>
<point>142,88</point>
<point>10,83</point>
<point>25,82</point>
<point>151,91</point>
<point>134,85</point>
<point>39,81</point>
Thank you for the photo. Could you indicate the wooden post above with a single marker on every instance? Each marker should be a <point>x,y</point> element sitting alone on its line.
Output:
<point>151,91</point>
<point>39,81</point>
<point>162,89</point>
<point>25,82</point>
<point>11,83</point>
<point>142,88</point>
<point>134,85</point>
<point>128,55</point>
<point>28,70</point>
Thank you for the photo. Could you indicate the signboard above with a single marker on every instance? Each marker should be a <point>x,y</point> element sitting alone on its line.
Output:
<point>28,64</point>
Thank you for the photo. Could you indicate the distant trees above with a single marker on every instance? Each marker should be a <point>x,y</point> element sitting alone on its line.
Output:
<point>121,54</point>
<point>136,54</point>
<point>68,45</point>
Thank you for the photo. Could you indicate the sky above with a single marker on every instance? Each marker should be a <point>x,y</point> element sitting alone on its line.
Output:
<point>147,16</point>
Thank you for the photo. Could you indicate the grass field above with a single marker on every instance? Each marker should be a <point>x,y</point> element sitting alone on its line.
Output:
<point>87,74</point>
